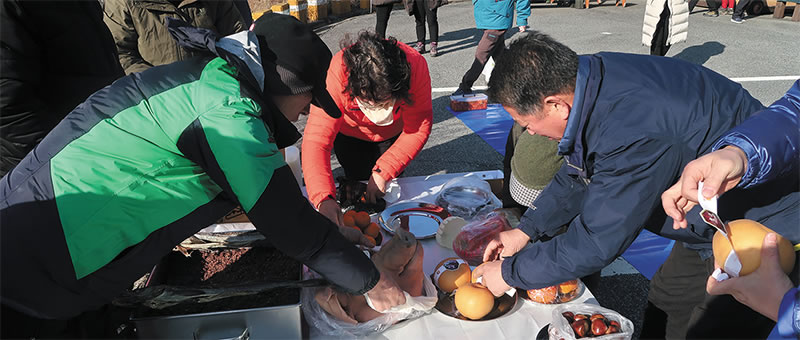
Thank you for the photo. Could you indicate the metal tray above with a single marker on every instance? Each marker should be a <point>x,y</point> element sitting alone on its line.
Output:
<point>502,305</point>
<point>464,201</point>
<point>420,218</point>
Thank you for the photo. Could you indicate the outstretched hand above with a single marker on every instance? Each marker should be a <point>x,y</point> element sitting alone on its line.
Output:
<point>376,188</point>
<point>491,274</point>
<point>719,171</point>
<point>505,244</point>
<point>355,236</point>
<point>330,209</point>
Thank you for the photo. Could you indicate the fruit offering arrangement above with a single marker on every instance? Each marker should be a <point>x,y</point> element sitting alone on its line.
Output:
<point>560,293</point>
<point>474,300</point>
<point>585,320</point>
<point>360,220</point>
<point>586,326</point>
<point>451,273</point>
<point>462,297</point>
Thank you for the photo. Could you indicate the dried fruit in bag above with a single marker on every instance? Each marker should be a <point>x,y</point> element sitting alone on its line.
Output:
<point>471,242</point>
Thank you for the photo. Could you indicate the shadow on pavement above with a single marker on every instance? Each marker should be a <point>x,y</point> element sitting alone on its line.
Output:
<point>463,154</point>
<point>699,54</point>
<point>440,105</point>
<point>458,40</point>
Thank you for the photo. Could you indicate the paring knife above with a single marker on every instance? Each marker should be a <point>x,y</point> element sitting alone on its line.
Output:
<point>709,215</point>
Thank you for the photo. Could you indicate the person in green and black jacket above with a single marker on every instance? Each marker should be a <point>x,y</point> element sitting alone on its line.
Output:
<point>148,161</point>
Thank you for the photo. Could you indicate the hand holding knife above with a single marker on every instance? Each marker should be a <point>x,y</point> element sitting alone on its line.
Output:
<point>710,216</point>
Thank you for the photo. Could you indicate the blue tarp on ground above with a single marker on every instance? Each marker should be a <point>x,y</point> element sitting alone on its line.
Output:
<point>647,252</point>
<point>492,124</point>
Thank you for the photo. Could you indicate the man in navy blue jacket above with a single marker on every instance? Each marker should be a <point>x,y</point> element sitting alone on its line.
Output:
<point>626,125</point>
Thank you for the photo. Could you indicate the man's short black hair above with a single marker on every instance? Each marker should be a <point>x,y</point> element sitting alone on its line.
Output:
<point>533,67</point>
<point>377,69</point>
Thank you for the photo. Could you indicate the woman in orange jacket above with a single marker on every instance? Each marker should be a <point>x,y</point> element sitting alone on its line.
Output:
<point>383,89</point>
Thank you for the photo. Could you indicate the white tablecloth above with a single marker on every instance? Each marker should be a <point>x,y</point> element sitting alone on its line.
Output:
<point>523,322</point>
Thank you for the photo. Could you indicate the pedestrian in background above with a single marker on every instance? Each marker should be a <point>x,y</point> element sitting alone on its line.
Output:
<point>425,10</point>
<point>713,8</point>
<point>244,9</point>
<point>727,6</point>
<point>54,55</point>
<point>141,35</point>
<point>738,11</point>
<point>666,22</point>
<point>383,9</point>
<point>495,19</point>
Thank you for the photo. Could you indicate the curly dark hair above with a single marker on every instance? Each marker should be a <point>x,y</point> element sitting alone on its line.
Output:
<point>376,68</point>
<point>533,67</point>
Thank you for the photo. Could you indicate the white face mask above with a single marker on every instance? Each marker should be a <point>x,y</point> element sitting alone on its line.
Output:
<point>380,115</point>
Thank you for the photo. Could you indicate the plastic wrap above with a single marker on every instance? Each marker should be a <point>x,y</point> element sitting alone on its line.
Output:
<point>560,293</point>
<point>468,102</point>
<point>467,197</point>
<point>323,324</point>
<point>352,194</point>
<point>471,242</point>
<point>560,328</point>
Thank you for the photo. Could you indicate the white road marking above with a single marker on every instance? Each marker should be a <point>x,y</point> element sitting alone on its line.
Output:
<point>774,78</point>
<point>453,89</point>
<point>738,80</point>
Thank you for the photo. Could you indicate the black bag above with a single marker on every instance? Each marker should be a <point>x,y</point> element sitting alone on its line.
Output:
<point>351,194</point>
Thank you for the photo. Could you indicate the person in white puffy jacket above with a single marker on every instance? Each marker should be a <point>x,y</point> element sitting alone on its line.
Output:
<point>666,22</point>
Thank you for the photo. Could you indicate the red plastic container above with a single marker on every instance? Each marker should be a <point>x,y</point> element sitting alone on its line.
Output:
<point>469,102</point>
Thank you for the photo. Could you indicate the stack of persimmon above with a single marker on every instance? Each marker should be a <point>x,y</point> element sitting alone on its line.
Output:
<point>360,220</point>
<point>560,293</point>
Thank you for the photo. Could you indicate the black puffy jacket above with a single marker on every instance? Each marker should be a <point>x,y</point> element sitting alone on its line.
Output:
<point>53,54</point>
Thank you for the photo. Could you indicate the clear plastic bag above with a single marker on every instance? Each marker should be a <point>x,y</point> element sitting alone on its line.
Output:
<point>471,242</point>
<point>560,328</point>
<point>323,324</point>
<point>560,293</point>
<point>467,197</point>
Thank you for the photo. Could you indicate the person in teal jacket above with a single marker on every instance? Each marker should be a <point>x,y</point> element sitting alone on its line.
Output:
<point>495,18</point>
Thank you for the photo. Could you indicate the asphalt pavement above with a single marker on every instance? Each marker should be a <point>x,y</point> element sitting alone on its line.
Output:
<point>762,54</point>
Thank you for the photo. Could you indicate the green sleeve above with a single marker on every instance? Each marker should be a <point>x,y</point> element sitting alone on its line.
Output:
<point>242,148</point>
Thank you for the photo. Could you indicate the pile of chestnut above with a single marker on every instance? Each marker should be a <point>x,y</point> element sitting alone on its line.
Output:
<point>591,325</point>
